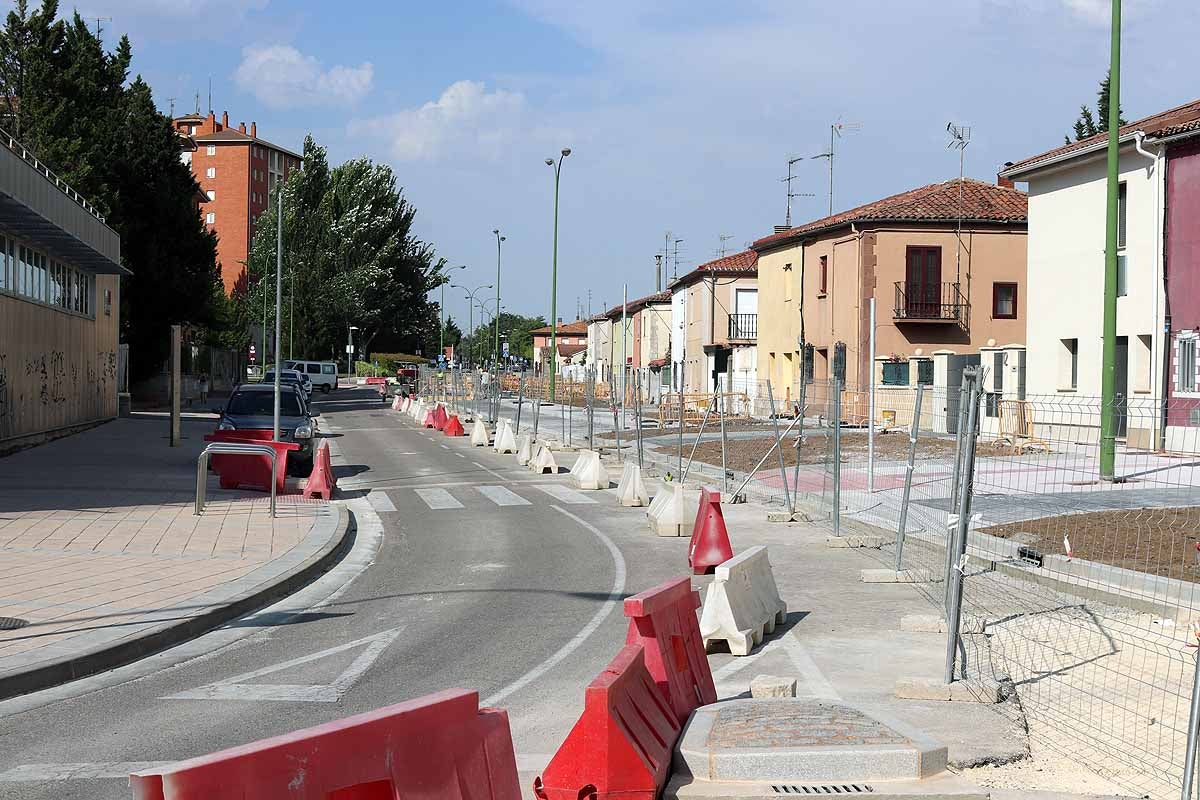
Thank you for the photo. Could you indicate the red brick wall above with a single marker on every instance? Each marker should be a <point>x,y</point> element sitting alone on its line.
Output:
<point>230,205</point>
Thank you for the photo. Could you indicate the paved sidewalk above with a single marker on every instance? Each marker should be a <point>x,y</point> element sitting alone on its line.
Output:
<point>103,561</point>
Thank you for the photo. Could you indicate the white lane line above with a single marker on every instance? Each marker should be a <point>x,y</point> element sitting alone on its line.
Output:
<point>564,494</point>
<point>77,772</point>
<point>460,455</point>
<point>492,471</point>
<point>438,499</point>
<point>380,501</point>
<point>502,497</point>
<point>615,596</point>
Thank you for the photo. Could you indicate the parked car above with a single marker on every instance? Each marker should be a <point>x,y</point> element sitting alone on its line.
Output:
<point>251,406</point>
<point>323,374</point>
<point>291,376</point>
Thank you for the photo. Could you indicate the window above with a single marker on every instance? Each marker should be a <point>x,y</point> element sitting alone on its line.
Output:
<point>312,369</point>
<point>823,286</point>
<point>1068,364</point>
<point>328,369</point>
<point>1122,211</point>
<point>1122,284</point>
<point>1004,301</point>
<point>212,194</point>
<point>787,283</point>
<point>211,150</point>
<point>1185,364</point>
<point>211,172</point>
<point>925,372</point>
<point>210,218</point>
<point>895,373</point>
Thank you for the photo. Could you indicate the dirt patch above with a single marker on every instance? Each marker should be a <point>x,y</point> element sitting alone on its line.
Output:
<point>690,430</point>
<point>743,454</point>
<point>1157,541</point>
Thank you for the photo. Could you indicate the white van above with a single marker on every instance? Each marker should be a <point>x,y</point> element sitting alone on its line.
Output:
<point>323,374</point>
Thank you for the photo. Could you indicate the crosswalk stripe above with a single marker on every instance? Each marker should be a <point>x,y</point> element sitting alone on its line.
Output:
<point>502,497</point>
<point>566,495</point>
<point>380,501</point>
<point>438,499</point>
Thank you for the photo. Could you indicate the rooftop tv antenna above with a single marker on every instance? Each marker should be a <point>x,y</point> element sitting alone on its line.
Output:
<point>790,194</point>
<point>835,133</point>
<point>722,250</point>
<point>960,137</point>
<point>98,21</point>
<point>675,258</point>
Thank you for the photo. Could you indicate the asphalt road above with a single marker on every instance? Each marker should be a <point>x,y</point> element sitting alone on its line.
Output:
<point>482,579</point>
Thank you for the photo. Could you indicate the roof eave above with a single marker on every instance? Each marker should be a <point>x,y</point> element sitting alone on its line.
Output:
<point>1016,173</point>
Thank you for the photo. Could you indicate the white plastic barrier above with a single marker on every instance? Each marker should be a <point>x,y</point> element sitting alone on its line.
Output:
<point>589,471</point>
<point>525,447</point>
<point>631,491</point>
<point>742,603</point>
<point>543,461</point>
<point>506,442</point>
<point>479,433</point>
<point>668,513</point>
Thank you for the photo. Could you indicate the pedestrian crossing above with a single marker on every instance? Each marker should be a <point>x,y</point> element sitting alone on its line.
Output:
<point>440,499</point>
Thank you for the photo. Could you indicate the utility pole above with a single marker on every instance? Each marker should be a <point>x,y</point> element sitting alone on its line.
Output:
<point>835,132</point>
<point>658,273</point>
<point>1108,372</point>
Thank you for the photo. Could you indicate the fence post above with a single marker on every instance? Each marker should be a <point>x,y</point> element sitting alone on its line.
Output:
<point>591,406</point>
<point>1189,759</point>
<point>955,576</point>
<point>537,410</point>
<point>520,402</point>
<point>699,433</point>
<point>571,416</point>
<point>679,471</point>
<point>799,439</point>
<point>901,528</point>
<point>612,399</point>
<point>787,498</point>
<point>724,411</point>
<point>837,457</point>
<point>956,482</point>
<point>638,411</point>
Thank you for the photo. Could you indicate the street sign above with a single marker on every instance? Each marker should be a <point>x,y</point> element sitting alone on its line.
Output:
<point>504,347</point>
<point>349,348</point>
<point>252,354</point>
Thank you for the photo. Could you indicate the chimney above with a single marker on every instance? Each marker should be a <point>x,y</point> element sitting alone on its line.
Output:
<point>658,273</point>
<point>241,127</point>
<point>1005,182</point>
<point>254,129</point>
<point>560,322</point>
<point>224,119</point>
<point>212,121</point>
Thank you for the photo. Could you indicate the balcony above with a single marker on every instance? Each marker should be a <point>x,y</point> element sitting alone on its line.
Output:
<point>743,327</point>
<point>931,303</point>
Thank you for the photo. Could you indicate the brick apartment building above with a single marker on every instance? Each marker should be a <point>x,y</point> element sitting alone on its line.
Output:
<point>237,171</point>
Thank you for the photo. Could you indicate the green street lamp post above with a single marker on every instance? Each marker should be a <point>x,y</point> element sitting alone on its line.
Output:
<point>499,239</point>
<point>566,151</point>
<point>1108,373</point>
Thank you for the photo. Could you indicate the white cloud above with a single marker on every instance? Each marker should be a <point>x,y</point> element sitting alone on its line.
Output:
<point>465,116</point>
<point>281,77</point>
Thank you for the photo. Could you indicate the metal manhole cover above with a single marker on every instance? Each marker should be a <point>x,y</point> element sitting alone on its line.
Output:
<point>12,623</point>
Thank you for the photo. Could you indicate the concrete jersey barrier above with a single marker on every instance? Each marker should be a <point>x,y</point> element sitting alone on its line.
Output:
<point>543,460</point>
<point>506,442</point>
<point>631,491</point>
<point>479,433</point>
<point>742,603</point>
<point>524,449</point>
<point>589,471</point>
<point>672,512</point>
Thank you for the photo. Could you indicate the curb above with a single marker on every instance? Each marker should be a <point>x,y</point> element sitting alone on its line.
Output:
<point>258,589</point>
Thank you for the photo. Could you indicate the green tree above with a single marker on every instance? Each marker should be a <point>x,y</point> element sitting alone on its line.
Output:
<point>71,103</point>
<point>1088,125</point>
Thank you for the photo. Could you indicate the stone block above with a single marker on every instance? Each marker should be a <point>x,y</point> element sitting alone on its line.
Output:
<point>779,516</point>
<point>895,576</point>
<point>974,691</point>
<point>936,623</point>
<point>855,540</point>
<point>766,686</point>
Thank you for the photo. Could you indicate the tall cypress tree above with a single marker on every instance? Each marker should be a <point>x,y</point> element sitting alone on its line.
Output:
<point>1088,125</point>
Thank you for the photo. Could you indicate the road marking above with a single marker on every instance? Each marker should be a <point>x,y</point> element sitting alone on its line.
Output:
<point>438,499</point>
<point>77,772</point>
<point>502,497</point>
<point>492,471</point>
<point>235,689</point>
<point>566,495</point>
<point>615,595</point>
<point>380,501</point>
<point>444,446</point>
<point>460,455</point>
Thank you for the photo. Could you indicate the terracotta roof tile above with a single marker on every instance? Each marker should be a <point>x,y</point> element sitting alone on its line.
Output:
<point>745,262</point>
<point>1181,119</point>
<point>566,329</point>
<point>938,201</point>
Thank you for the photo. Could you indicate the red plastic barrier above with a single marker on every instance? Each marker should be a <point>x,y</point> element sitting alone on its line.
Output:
<point>620,749</point>
<point>250,471</point>
<point>326,464</point>
<point>710,539</point>
<point>320,483</point>
<point>376,381</point>
<point>430,421</point>
<point>440,417</point>
<point>436,747</point>
<point>663,620</point>
<point>454,427</point>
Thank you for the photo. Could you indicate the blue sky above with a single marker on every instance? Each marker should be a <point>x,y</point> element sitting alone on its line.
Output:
<point>680,114</point>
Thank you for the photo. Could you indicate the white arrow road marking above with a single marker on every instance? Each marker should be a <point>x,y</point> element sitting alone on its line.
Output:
<point>77,772</point>
<point>235,689</point>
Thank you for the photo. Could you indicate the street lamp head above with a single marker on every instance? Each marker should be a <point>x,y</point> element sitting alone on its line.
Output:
<point>504,238</point>
<point>549,162</point>
<point>566,151</point>
<point>496,231</point>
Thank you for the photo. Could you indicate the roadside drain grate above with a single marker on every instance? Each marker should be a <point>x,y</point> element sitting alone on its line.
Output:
<point>12,623</point>
<point>827,789</point>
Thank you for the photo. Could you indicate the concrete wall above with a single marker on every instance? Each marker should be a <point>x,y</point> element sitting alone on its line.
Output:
<point>1066,276</point>
<point>654,332</point>
<point>58,370</point>
<point>1183,276</point>
<point>707,323</point>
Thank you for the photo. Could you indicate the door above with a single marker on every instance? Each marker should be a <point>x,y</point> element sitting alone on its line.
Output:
<point>1121,389</point>
<point>923,282</point>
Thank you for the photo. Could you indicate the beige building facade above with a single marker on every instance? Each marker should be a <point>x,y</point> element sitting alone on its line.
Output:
<point>935,289</point>
<point>714,324</point>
